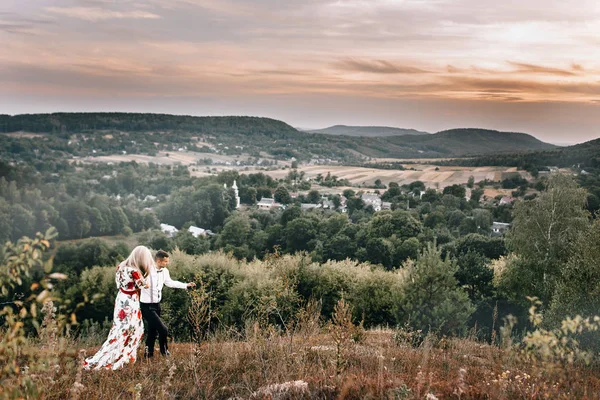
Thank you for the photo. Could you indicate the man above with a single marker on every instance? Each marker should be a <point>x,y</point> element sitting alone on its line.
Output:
<point>150,302</point>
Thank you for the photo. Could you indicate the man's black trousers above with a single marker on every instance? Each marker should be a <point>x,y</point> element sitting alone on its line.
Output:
<point>151,313</point>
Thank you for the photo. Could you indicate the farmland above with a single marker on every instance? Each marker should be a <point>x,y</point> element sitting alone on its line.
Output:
<point>432,175</point>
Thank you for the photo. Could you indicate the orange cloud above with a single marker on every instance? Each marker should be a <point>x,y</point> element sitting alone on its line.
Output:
<point>377,67</point>
<point>97,14</point>
<point>537,69</point>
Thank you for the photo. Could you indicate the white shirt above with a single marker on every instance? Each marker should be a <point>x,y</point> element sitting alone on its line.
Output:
<point>157,278</point>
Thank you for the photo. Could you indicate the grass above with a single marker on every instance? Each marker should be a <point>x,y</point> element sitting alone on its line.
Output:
<point>269,364</point>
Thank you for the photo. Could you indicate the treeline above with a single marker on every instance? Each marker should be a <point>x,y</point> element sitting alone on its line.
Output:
<point>67,123</point>
<point>581,156</point>
<point>83,201</point>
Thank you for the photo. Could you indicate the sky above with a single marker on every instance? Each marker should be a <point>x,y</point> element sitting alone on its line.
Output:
<point>529,65</point>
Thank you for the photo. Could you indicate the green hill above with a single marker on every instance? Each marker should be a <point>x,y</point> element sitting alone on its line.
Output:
<point>84,134</point>
<point>467,142</point>
<point>368,131</point>
<point>584,155</point>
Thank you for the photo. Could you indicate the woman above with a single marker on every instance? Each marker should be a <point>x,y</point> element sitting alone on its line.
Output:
<point>127,330</point>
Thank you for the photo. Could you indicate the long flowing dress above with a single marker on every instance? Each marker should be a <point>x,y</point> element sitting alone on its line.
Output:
<point>127,329</point>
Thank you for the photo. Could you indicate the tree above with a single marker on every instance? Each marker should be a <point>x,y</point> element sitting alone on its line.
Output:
<point>483,219</point>
<point>543,237</point>
<point>236,230</point>
<point>339,247</point>
<point>348,193</point>
<point>578,287</point>
<point>399,222</point>
<point>434,219</point>
<point>290,214</point>
<point>299,233</point>
<point>282,195</point>
<point>403,250</point>
<point>471,182</point>
<point>337,201</point>
<point>313,197</point>
<point>186,241</point>
<point>492,248</point>
<point>378,252</point>
<point>476,195</point>
<point>455,190</point>
<point>430,196</point>
<point>432,299</point>
<point>475,275</point>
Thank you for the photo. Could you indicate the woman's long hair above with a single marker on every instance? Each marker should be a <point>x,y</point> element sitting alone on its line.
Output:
<point>140,259</point>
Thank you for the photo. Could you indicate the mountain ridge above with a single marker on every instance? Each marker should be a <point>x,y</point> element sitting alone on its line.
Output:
<point>367,131</point>
<point>257,134</point>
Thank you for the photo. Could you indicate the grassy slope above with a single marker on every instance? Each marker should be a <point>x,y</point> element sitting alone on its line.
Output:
<point>376,368</point>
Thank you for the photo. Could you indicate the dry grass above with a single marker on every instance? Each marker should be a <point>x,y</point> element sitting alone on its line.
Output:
<point>268,364</point>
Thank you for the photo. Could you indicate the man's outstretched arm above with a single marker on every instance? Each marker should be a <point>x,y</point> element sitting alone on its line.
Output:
<point>175,284</point>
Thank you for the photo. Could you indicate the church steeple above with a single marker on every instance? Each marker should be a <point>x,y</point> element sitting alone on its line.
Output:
<point>237,193</point>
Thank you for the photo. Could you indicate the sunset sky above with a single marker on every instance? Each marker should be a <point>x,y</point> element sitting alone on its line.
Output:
<point>531,65</point>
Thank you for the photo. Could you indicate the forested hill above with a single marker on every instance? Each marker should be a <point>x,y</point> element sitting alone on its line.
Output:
<point>368,131</point>
<point>474,141</point>
<point>138,122</point>
<point>584,155</point>
<point>87,134</point>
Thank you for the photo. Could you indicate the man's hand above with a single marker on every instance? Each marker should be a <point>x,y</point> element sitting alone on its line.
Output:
<point>147,285</point>
<point>191,285</point>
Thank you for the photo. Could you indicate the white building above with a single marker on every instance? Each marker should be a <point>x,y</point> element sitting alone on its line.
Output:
<point>309,206</point>
<point>170,230</point>
<point>266,203</point>
<point>373,200</point>
<point>499,228</point>
<point>196,231</point>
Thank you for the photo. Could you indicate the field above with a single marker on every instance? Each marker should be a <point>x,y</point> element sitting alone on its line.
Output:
<point>433,176</point>
<point>440,178</point>
<point>317,363</point>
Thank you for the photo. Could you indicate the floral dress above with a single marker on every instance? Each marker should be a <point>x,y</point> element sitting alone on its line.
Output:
<point>127,329</point>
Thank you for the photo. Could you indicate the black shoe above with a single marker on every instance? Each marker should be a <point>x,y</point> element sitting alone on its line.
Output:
<point>148,356</point>
<point>167,354</point>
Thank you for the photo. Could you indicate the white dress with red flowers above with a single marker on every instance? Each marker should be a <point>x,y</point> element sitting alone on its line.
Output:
<point>127,330</point>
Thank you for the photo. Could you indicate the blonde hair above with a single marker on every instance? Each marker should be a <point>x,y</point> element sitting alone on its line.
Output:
<point>140,259</point>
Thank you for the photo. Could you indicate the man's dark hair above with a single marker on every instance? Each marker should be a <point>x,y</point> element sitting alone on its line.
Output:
<point>161,254</point>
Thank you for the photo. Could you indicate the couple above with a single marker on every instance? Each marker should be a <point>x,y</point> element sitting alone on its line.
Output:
<point>140,280</point>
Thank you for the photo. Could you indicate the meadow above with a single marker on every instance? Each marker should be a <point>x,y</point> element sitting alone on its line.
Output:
<point>313,360</point>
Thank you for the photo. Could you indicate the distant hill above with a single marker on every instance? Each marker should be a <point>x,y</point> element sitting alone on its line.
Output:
<point>135,133</point>
<point>368,131</point>
<point>141,122</point>
<point>584,155</point>
<point>471,141</point>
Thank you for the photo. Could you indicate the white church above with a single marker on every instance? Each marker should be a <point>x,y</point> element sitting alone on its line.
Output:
<point>237,193</point>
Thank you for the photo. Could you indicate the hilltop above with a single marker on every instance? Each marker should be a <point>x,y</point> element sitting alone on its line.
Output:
<point>472,141</point>
<point>584,155</point>
<point>84,134</point>
<point>368,131</point>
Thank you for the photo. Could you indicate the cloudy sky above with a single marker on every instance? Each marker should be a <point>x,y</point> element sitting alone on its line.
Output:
<point>527,65</point>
